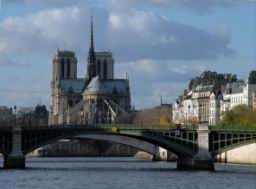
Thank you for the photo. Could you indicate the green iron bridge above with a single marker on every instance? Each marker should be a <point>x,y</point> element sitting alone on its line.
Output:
<point>195,148</point>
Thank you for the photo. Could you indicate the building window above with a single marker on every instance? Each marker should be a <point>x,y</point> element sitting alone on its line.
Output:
<point>70,103</point>
<point>115,91</point>
<point>68,68</point>
<point>105,69</point>
<point>98,68</point>
<point>70,90</point>
<point>62,67</point>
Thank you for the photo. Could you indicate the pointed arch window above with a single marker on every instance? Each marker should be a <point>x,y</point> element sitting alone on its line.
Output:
<point>105,69</point>
<point>62,67</point>
<point>99,68</point>
<point>70,90</point>
<point>68,68</point>
<point>70,103</point>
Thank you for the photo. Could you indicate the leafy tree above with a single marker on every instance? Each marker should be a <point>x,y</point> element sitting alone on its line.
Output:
<point>192,121</point>
<point>240,117</point>
<point>164,121</point>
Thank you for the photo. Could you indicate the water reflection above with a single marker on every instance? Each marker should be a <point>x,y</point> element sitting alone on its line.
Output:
<point>125,173</point>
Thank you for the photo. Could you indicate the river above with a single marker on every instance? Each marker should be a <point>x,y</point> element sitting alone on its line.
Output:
<point>122,173</point>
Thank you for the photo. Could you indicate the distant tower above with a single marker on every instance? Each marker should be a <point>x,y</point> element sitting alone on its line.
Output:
<point>99,63</point>
<point>64,68</point>
<point>64,65</point>
<point>91,67</point>
<point>105,65</point>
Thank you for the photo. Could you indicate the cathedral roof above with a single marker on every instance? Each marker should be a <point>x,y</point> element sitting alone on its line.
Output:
<point>107,86</point>
<point>120,85</point>
<point>72,85</point>
<point>95,86</point>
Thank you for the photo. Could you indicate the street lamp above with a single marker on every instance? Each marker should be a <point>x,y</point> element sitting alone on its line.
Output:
<point>11,117</point>
<point>15,115</point>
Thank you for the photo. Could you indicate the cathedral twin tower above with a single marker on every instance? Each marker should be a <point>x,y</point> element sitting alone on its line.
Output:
<point>99,63</point>
<point>97,98</point>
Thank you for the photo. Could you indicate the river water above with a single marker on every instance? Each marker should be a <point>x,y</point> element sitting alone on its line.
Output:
<point>122,173</point>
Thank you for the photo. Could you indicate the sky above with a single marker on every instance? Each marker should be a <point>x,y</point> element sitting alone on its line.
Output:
<point>161,44</point>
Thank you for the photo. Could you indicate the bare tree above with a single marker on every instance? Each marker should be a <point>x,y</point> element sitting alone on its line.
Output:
<point>6,116</point>
<point>24,116</point>
<point>24,111</point>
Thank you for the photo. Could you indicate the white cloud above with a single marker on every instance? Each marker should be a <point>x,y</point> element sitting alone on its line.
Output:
<point>37,32</point>
<point>145,34</point>
<point>137,35</point>
<point>147,66</point>
<point>20,91</point>
<point>150,79</point>
<point>49,2</point>
<point>199,6</point>
<point>187,69</point>
<point>6,62</point>
<point>147,44</point>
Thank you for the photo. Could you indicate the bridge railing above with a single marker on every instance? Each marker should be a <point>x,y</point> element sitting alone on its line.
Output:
<point>136,126</point>
<point>110,126</point>
<point>143,127</point>
<point>229,129</point>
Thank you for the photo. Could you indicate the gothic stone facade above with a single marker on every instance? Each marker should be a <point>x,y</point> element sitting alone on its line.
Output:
<point>97,98</point>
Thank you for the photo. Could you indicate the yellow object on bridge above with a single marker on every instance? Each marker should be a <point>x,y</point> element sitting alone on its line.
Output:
<point>115,130</point>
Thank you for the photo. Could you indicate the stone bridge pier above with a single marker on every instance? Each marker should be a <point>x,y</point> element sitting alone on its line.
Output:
<point>202,160</point>
<point>161,154</point>
<point>16,159</point>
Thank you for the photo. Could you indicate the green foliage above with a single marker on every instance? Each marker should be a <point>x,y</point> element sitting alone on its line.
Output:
<point>165,121</point>
<point>240,117</point>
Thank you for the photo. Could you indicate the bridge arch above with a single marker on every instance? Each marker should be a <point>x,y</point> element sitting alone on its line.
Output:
<point>233,146</point>
<point>3,152</point>
<point>119,139</point>
<point>145,143</point>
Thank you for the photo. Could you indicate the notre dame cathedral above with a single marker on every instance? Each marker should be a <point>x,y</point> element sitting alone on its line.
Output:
<point>97,98</point>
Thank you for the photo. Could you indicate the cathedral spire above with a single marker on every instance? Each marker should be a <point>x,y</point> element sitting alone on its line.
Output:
<point>91,68</point>
<point>92,39</point>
